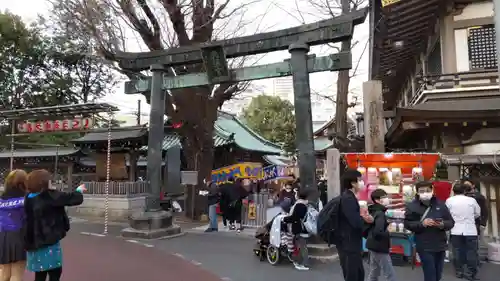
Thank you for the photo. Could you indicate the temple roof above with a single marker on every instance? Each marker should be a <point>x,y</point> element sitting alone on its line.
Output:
<point>400,31</point>
<point>228,129</point>
<point>117,134</point>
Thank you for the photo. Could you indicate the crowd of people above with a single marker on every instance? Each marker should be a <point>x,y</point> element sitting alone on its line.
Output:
<point>460,220</point>
<point>33,221</point>
<point>436,225</point>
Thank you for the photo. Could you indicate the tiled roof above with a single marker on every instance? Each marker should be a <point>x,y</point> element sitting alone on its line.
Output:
<point>243,136</point>
<point>39,152</point>
<point>124,134</point>
<point>229,129</point>
<point>322,144</point>
<point>174,140</point>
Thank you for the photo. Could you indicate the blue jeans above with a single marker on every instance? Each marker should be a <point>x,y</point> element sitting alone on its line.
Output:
<point>465,254</point>
<point>212,215</point>
<point>432,264</point>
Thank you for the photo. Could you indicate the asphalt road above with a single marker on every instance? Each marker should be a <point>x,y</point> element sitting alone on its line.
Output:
<point>229,257</point>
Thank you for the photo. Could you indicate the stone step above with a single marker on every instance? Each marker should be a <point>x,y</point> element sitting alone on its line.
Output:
<point>321,249</point>
<point>313,259</point>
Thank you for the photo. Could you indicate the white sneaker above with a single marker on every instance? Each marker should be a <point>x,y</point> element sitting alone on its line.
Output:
<point>300,267</point>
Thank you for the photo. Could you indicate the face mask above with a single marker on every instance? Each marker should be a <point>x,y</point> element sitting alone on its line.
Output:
<point>385,201</point>
<point>425,196</point>
<point>361,185</point>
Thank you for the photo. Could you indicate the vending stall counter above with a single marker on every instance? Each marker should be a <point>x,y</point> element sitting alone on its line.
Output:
<point>395,173</point>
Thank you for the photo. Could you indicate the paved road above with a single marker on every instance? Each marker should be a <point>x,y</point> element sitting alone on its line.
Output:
<point>109,258</point>
<point>227,256</point>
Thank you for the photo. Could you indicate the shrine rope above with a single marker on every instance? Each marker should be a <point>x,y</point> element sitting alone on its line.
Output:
<point>108,166</point>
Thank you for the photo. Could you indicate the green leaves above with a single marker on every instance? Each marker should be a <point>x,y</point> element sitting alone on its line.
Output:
<point>273,118</point>
<point>55,68</point>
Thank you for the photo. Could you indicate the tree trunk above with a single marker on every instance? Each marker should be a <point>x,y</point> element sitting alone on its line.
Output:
<point>197,144</point>
<point>342,103</point>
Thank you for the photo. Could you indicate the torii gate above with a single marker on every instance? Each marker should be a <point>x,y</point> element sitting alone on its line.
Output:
<point>154,222</point>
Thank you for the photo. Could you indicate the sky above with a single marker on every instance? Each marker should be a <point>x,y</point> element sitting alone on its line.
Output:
<point>269,15</point>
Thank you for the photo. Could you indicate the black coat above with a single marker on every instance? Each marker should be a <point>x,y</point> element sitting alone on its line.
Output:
<point>46,218</point>
<point>430,239</point>
<point>297,217</point>
<point>379,239</point>
<point>351,224</point>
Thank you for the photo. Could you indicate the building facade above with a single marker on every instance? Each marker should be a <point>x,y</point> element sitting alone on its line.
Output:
<point>438,66</point>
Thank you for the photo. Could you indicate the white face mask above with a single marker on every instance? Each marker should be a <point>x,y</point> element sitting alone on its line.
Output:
<point>426,196</point>
<point>385,201</point>
<point>361,184</point>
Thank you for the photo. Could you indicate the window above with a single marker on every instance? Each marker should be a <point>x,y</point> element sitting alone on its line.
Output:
<point>482,47</point>
<point>434,60</point>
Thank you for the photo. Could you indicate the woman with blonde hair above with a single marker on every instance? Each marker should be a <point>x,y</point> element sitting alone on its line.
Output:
<point>46,224</point>
<point>12,250</point>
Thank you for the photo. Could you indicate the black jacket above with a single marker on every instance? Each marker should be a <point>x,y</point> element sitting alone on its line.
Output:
<point>296,218</point>
<point>46,218</point>
<point>213,194</point>
<point>430,239</point>
<point>350,224</point>
<point>481,201</point>
<point>378,239</point>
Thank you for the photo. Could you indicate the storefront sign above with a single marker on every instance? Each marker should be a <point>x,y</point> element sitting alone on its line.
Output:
<point>273,172</point>
<point>74,124</point>
<point>241,170</point>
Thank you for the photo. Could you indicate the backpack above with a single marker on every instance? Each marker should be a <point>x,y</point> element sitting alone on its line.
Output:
<point>328,221</point>
<point>310,221</point>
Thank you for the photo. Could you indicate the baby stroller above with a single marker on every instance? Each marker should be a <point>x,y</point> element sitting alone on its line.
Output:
<point>269,245</point>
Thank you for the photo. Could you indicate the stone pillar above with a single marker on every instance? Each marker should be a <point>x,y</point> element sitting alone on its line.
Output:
<point>155,138</point>
<point>374,123</point>
<point>303,116</point>
<point>447,41</point>
<point>333,172</point>
<point>69,176</point>
<point>154,222</point>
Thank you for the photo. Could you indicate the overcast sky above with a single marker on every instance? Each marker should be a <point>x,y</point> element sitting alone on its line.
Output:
<point>279,14</point>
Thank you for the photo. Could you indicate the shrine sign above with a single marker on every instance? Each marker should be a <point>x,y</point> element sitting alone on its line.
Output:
<point>74,124</point>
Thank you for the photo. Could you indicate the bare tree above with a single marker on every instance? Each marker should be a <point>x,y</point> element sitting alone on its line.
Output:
<point>158,25</point>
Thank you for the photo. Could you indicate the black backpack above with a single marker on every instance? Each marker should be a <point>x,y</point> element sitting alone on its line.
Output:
<point>328,221</point>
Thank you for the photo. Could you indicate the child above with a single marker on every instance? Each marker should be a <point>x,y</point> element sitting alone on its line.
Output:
<point>378,241</point>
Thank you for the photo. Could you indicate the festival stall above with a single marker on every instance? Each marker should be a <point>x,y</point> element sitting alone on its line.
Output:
<point>395,173</point>
<point>255,208</point>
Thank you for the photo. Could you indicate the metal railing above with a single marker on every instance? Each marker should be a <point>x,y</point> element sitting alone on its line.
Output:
<point>260,200</point>
<point>116,188</point>
<point>476,78</point>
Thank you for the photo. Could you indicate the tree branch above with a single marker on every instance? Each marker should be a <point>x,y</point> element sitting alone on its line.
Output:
<point>177,19</point>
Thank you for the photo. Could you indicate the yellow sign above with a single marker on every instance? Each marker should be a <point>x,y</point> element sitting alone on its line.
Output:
<point>386,3</point>
<point>252,211</point>
<point>246,170</point>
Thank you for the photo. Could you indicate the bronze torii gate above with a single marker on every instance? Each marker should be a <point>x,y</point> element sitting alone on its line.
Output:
<point>154,222</point>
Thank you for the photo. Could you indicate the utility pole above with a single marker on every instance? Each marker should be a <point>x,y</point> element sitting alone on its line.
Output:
<point>138,112</point>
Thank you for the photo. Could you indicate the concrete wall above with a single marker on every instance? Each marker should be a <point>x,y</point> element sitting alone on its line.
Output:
<point>119,207</point>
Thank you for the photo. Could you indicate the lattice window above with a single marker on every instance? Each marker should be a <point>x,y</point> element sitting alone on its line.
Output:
<point>482,47</point>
